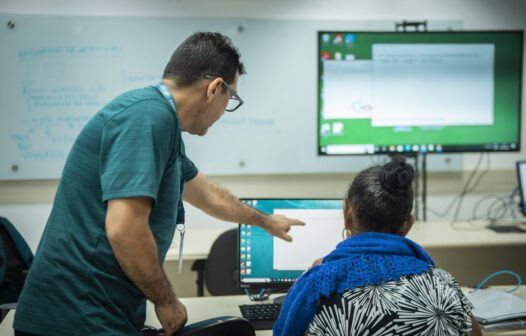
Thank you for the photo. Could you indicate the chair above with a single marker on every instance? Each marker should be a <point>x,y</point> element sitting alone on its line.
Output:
<point>220,271</point>
<point>15,259</point>
<point>217,326</point>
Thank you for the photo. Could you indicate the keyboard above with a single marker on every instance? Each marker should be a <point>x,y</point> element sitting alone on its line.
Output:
<point>261,315</point>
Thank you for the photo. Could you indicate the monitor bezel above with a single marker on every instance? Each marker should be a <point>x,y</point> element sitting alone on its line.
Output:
<point>274,286</point>
<point>522,188</point>
<point>447,149</point>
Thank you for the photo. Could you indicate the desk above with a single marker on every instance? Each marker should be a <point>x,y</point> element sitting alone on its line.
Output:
<point>469,251</point>
<point>427,234</point>
<point>207,307</point>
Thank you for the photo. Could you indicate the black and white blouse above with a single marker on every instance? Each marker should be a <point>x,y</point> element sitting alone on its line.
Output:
<point>427,304</point>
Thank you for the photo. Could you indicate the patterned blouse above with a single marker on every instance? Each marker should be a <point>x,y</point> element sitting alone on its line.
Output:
<point>427,304</point>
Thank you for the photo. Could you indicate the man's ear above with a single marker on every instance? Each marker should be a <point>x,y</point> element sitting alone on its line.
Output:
<point>214,87</point>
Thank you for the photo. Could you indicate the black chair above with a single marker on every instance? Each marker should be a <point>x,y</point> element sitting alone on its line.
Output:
<point>219,272</point>
<point>15,260</point>
<point>217,326</point>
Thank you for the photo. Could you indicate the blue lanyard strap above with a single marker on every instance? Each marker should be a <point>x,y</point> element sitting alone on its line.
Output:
<point>163,89</point>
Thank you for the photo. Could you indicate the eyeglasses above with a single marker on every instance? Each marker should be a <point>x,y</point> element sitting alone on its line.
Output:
<point>234,100</point>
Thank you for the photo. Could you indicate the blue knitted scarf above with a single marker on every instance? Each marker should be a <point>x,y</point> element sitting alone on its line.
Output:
<point>369,258</point>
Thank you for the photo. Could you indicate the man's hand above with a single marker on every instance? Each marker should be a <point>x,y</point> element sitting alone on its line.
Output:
<point>172,317</point>
<point>279,226</point>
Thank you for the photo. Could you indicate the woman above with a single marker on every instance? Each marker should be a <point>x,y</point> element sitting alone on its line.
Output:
<point>377,282</point>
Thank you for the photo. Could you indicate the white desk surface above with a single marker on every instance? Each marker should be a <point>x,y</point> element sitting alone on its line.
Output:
<point>428,234</point>
<point>208,307</point>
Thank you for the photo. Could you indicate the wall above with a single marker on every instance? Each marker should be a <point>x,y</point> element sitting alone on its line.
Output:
<point>29,202</point>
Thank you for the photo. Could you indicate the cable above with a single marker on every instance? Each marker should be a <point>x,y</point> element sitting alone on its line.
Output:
<point>494,274</point>
<point>498,209</point>
<point>467,188</point>
<point>479,202</point>
<point>263,294</point>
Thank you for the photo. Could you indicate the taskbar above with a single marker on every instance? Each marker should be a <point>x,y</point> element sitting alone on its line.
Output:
<point>357,149</point>
<point>266,280</point>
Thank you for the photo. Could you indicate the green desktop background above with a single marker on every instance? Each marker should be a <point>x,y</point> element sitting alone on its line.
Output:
<point>507,86</point>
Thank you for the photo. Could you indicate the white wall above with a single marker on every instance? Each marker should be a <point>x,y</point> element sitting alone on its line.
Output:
<point>475,14</point>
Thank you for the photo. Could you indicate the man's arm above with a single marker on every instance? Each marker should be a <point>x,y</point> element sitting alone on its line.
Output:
<point>135,248</point>
<point>220,203</point>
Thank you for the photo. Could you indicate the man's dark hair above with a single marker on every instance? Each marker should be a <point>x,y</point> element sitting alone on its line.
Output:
<point>382,196</point>
<point>203,54</point>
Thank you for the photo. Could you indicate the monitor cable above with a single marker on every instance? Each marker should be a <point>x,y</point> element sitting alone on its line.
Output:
<point>494,274</point>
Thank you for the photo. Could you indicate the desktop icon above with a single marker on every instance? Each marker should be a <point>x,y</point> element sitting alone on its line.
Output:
<point>325,129</point>
<point>326,38</point>
<point>325,55</point>
<point>350,39</point>
<point>338,56</point>
<point>431,148</point>
<point>338,39</point>
<point>349,57</point>
<point>337,128</point>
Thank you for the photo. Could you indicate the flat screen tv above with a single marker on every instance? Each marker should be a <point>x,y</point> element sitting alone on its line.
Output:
<point>423,92</point>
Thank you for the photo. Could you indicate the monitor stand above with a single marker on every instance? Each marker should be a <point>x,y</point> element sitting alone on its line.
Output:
<point>279,299</point>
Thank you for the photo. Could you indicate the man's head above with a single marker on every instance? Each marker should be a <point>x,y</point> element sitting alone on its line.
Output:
<point>206,66</point>
<point>380,199</point>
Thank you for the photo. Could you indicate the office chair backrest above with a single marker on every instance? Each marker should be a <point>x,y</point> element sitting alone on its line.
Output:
<point>221,267</point>
<point>15,259</point>
<point>217,326</point>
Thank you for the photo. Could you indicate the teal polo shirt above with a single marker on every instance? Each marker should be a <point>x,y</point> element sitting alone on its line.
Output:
<point>131,148</point>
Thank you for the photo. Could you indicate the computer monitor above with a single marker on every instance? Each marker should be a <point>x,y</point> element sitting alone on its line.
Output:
<point>521,176</point>
<point>269,262</point>
<point>419,92</point>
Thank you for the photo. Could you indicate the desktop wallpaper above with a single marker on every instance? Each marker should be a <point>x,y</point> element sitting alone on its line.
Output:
<point>256,246</point>
<point>498,100</point>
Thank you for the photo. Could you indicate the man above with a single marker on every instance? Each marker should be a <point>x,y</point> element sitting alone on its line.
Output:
<point>119,201</point>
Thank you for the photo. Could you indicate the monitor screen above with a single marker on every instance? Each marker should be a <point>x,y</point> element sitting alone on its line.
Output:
<point>430,92</point>
<point>269,262</point>
<point>521,175</point>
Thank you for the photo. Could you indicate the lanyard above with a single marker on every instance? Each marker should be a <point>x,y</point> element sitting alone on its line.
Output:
<point>180,227</point>
<point>163,89</point>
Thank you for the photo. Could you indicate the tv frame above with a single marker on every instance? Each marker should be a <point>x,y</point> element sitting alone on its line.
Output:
<point>456,149</point>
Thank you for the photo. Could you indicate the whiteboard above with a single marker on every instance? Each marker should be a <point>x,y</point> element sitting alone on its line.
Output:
<point>58,71</point>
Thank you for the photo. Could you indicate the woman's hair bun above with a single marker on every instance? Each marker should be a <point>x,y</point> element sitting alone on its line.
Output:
<point>397,175</point>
